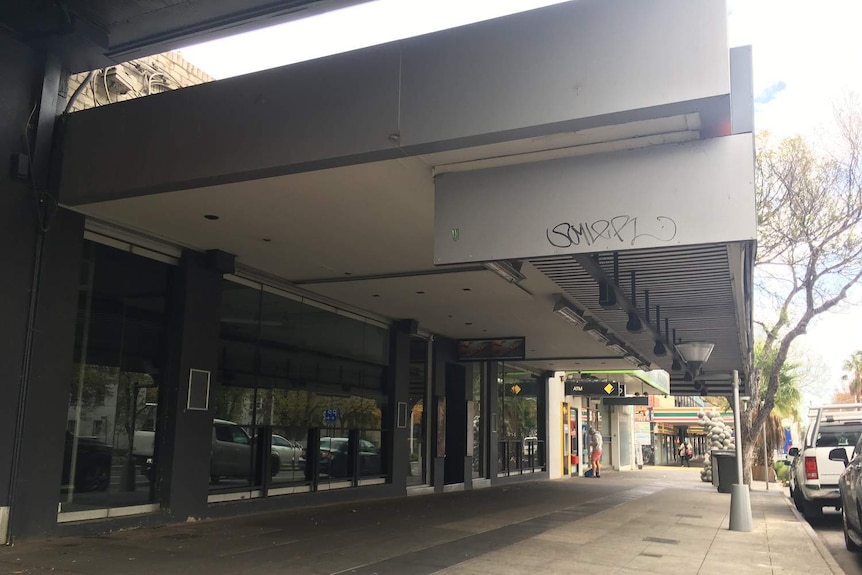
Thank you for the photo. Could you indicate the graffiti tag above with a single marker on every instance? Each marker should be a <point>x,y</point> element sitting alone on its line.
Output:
<point>623,228</point>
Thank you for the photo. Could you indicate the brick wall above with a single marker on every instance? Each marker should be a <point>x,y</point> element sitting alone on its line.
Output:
<point>133,79</point>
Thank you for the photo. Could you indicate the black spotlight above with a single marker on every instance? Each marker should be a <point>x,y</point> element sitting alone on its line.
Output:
<point>607,295</point>
<point>676,366</point>
<point>634,324</point>
<point>659,350</point>
<point>698,385</point>
<point>687,377</point>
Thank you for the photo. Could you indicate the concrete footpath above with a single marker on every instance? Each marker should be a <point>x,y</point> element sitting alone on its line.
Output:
<point>658,520</point>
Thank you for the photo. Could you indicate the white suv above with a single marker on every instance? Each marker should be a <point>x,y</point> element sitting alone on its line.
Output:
<point>813,476</point>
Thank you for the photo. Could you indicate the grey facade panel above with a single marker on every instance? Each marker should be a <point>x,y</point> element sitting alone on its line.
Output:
<point>574,60</point>
<point>675,194</point>
<point>254,126</point>
<point>558,69</point>
<point>742,90</point>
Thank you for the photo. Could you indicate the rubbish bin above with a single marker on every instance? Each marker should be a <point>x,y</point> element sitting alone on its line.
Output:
<point>723,470</point>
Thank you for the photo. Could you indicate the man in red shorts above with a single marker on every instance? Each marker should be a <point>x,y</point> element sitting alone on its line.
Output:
<point>596,451</point>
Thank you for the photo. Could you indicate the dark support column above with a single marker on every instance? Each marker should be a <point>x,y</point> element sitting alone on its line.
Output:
<point>184,448</point>
<point>494,417</point>
<point>353,463</point>
<point>399,386</point>
<point>443,352</point>
<point>17,245</point>
<point>40,248</point>
<point>312,457</point>
<point>46,400</point>
<point>542,416</point>
<point>456,423</point>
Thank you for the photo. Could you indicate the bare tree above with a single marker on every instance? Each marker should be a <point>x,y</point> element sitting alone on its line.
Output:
<point>809,208</point>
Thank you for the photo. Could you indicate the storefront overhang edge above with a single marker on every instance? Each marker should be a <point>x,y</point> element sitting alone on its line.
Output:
<point>699,192</point>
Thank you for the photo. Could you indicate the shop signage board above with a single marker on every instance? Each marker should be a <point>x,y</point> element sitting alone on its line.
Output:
<point>593,388</point>
<point>505,348</point>
<point>625,401</point>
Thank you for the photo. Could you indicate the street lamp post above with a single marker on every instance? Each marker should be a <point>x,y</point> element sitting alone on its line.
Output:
<point>740,498</point>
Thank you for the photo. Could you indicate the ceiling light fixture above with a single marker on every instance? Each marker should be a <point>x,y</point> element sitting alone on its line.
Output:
<point>634,324</point>
<point>695,353</point>
<point>570,314</point>
<point>659,350</point>
<point>596,333</point>
<point>506,270</point>
<point>607,295</point>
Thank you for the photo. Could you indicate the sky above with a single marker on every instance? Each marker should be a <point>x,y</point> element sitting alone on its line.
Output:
<point>806,59</point>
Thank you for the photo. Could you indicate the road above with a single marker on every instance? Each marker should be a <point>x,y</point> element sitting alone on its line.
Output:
<point>829,530</point>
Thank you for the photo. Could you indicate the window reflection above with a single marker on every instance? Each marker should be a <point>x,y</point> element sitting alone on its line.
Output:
<point>287,367</point>
<point>417,439</point>
<point>520,449</point>
<point>114,385</point>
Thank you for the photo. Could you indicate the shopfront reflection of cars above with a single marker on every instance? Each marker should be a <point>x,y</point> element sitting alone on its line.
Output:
<point>335,455</point>
<point>231,453</point>
<point>288,451</point>
<point>92,463</point>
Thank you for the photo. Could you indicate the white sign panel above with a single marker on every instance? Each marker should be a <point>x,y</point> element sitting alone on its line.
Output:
<point>675,194</point>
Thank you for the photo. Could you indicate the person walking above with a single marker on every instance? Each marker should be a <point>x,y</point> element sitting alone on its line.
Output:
<point>685,453</point>
<point>595,452</point>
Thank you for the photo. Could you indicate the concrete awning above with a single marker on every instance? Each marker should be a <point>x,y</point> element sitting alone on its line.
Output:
<point>323,173</point>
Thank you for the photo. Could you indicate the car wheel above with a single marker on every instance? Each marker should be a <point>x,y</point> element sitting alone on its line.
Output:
<point>812,510</point>
<point>275,465</point>
<point>94,477</point>
<point>797,500</point>
<point>848,542</point>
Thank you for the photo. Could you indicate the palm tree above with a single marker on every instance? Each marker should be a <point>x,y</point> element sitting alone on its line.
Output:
<point>853,367</point>
<point>788,396</point>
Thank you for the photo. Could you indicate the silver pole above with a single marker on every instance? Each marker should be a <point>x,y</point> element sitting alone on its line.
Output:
<point>737,427</point>
<point>740,498</point>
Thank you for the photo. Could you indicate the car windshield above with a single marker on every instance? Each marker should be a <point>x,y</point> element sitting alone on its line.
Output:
<point>841,435</point>
<point>280,441</point>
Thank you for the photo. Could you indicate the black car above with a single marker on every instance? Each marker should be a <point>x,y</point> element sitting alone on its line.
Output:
<point>334,458</point>
<point>850,487</point>
<point>92,463</point>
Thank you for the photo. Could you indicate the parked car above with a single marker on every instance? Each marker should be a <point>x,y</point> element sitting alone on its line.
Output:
<point>334,456</point>
<point>230,453</point>
<point>814,472</point>
<point>287,450</point>
<point>92,463</point>
<point>850,488</point>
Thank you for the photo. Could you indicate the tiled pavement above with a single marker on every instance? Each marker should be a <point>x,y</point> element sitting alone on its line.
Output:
<point>658,520</point>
